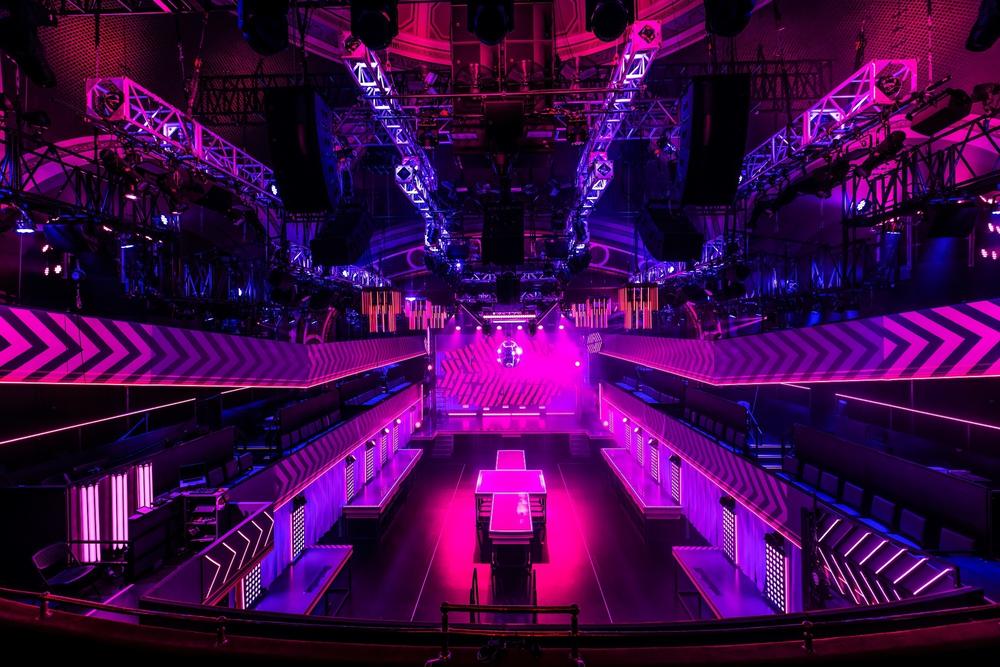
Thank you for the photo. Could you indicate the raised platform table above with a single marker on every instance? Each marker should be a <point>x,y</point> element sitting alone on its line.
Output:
<point>719,583</point>
<point>375,500</point>
<point>652,500</point>
<point>510,459</point>
<point>307,581</point>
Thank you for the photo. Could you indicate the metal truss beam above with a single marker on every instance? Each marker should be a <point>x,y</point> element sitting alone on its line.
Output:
<point>772,82</point>
<point>131,7</point>
<point>961,161</point>
<point>857,102</point>
<point>595,171</point>
<point>415,176</point>
<point>141,118</point>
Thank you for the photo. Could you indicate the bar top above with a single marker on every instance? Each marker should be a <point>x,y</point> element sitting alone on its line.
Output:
<point>511,481</point>
<point>510,459</point>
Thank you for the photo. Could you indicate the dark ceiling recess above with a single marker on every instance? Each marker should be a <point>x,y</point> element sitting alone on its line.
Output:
<point>491,20</point>
<point>986,29</point>
<point>607,19</point>
<point>264,24</point>
<point>375,22</point>
<point>727,18</point>
<point>19,23</point>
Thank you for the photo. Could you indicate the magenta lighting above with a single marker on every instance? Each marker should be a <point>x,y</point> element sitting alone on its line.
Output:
<point>479,327</point>
<point>562,327</point>
<point>935,415</point>
<point>499,328</point>
<point>458,327</point>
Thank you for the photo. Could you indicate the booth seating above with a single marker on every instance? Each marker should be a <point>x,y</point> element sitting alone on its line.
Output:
<point>649,501</point>
<point>307,584</point>
<point>724,589</point>
<point>903,525</point>
<point>720,418</point>
<point>371,509</point>
<point>306,418</point>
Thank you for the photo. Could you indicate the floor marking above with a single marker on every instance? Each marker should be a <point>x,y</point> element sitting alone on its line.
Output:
<point>586,547</point>
<point>444,526</point>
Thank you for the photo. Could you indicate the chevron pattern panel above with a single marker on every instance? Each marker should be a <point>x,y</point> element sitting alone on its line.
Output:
<point>961,340</point>
<point>39,346</point>
<point>776,502</point>
<point>282,481</point>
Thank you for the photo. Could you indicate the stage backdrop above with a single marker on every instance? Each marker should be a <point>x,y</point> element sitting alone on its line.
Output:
<point>549,373</point>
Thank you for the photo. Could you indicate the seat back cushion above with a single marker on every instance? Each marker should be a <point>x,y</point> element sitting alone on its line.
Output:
<point>883,510</point>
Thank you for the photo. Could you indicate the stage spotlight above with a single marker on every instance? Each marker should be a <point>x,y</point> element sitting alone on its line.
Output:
<point>520,328</point>
<point>577,364</point>
<point>887,149</point>
<point>25,225</point>
<point>561,327</point>
<point>607,19</point>
<point>491,20</point>
<point>541,327</point>
<point>986,29</point>
<point>375,22</point>
<point>458,327</point>
<point>499,328</point>
<point>19,23</point>
<point>727,18</point>
<point>479,327</point>
<point>264,24</point>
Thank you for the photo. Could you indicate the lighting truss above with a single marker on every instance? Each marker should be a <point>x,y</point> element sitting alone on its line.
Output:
<point>300,262</point>
<point>963,157</point>
<point>858,101</point>
<point>129,7</point>
<point>415,175</point>
<point>595,171</point>
<point>140,117</point>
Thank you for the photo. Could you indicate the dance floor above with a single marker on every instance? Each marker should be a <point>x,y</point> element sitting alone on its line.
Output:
<point>594,554</point>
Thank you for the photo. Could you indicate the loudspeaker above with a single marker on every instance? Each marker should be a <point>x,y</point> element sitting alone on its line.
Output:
<point>986,30</point>
<point>508,288</point>
<point>946,108</point>
<point>668,235</point>
<point>503,234</point>
<point>715,112</point>
<point>344,239</point>
<point>264,24</point>
<point>305,167</point>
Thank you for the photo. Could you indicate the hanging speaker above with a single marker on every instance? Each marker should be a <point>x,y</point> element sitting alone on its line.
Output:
<point>298,132</point>
<point>715,112</point>
<point>668,234</point>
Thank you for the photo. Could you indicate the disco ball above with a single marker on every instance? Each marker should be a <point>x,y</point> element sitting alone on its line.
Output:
<point>509,354</point>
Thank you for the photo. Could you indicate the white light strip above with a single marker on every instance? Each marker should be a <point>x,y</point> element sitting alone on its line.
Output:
<point>913,411</point>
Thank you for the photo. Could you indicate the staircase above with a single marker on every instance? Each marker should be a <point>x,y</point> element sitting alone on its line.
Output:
<point>768,455</point>
<point>579,446</point>
<point>444,446</point>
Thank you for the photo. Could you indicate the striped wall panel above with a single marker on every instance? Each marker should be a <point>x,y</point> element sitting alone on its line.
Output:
<point>960,340</point>
<point>39,346</point>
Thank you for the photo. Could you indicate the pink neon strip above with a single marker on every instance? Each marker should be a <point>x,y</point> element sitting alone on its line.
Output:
<point>95,421</point>
<point>917,412</point>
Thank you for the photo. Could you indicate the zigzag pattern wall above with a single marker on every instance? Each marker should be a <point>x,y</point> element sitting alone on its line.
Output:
<point>39,346</point>
<point>948,341</point>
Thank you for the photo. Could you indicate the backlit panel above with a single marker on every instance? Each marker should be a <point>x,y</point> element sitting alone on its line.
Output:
<point>298,527</point>
<point>729,528</point>
<point>144,485</point>
<point>774,572</point>
<point>119,508</point>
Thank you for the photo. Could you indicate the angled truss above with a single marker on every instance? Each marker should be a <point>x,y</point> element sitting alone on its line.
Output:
<point>595,171</point>
<point>955,162</point>
<point>140,117</point>
<point>859,100</point>
<point>415,176</point>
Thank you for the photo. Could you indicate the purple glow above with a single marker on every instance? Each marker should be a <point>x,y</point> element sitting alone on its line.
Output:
<point>918,412</point>
<point>510,481</point>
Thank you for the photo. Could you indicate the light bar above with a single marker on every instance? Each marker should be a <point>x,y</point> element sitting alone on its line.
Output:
<point>595,170</point>
<point>415,175</point>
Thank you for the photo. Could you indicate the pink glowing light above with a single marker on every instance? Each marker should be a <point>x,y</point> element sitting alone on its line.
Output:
<point>430,367</point>
<point>576,363</point>
<point>479,327</point>
<point>499,327</point>
<point>458,327</point>
<point>916,412</point>
<point>520,327</point>
<point>510,481</point>
<point>541,327</point>
<point>561,327</point>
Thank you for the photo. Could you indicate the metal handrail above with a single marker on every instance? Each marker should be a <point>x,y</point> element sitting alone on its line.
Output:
<point>573,610</point>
